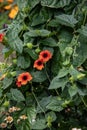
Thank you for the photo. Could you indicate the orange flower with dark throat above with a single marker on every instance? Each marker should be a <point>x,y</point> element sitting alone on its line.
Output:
<point>23,78</point>
<point>1,37</point>
<point>38,64</point>
<point>18,83</point>
<point>45,55</point>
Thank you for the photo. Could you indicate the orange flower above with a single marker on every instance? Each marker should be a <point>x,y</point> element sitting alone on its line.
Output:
<point>8,7</point>
<point>38,64</point>
<point>11,1</point>
<point>1,0</point>
<point>45,55</point>
<point>24,78</point>
<point>18,83</point>
<point>13,12</point>
<point>1,37</point>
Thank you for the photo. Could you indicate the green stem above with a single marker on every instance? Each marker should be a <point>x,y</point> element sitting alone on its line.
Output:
<point>47,74</point>
<point>84,19</point>
<point>83,101</point>
<point>50,79</point>
<point>37,101</point>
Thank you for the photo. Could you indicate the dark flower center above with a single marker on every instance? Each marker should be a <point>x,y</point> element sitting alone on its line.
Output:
<point>39,63</point>
<point>25,77</point>
<point>45,55</point>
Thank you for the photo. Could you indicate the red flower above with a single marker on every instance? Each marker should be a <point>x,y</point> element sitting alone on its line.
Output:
<point>1,37</point>
<point>23,78</point>
<point>45,55</point>
<point>18,83</point>
<point>38,64</point>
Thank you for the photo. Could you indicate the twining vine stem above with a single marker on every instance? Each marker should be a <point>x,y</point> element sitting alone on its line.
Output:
<point>37,100</point>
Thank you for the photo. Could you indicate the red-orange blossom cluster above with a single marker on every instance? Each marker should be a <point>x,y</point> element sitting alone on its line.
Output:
<point>44,56</point>
<point>1,37</point>
<point>25,77</point>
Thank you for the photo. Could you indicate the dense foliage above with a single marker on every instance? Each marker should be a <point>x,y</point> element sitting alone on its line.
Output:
<point>45,87</point>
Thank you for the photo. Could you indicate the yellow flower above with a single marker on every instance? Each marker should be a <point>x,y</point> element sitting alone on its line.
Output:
<point>8,7</point>
<point>13,12</point>
<point>11,1</point>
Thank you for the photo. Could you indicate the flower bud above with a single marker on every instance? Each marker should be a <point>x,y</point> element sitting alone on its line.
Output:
<point>37,50</point>
<point>15,61</point>
<point>30,45</point>
<point>6,104</point>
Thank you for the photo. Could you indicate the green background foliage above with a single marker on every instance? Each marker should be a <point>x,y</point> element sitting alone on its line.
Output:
<point>56,98</point>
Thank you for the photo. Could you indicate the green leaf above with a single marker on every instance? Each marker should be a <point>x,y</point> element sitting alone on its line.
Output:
<point>53,23</point>
<point>55,104</point>
<point>52,115</point>
<point>49,49</point>
<point>31,113</point>
<point>43,103</point>
<point>13,40</point>
<point>41,17</point>
<point>33,3</point>
<point>67,20</point>
<point>23,62</point>
<point>36,33</point>
<point>58,82</point>
<point>21,4</point>
<point>16,44</point>
<point>17,95</point>
<point>81,49</point>
<point>39,124</point>
<point>83,31</point>
<point>63,72</point>
<point>56,62</point>
<point>23,126</point>
<point>73,90</point>
<point>49,42</point>
<point>82,92</point>
<point>7,82</point>
<point>65,38</point>
<point>7,52</point>
<point>55,3</point>
<point>39,76</point>
<point>83,81</point>
<point>76,74</point>
<point>32,53</point>
<point>27,38</point>
<point>1,92</point>
<point>26,126</point>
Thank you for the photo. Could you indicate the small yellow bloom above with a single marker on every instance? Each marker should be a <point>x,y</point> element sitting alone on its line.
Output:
<point>11,1</point>
<point>13,12</point>
<point>8,7</point>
